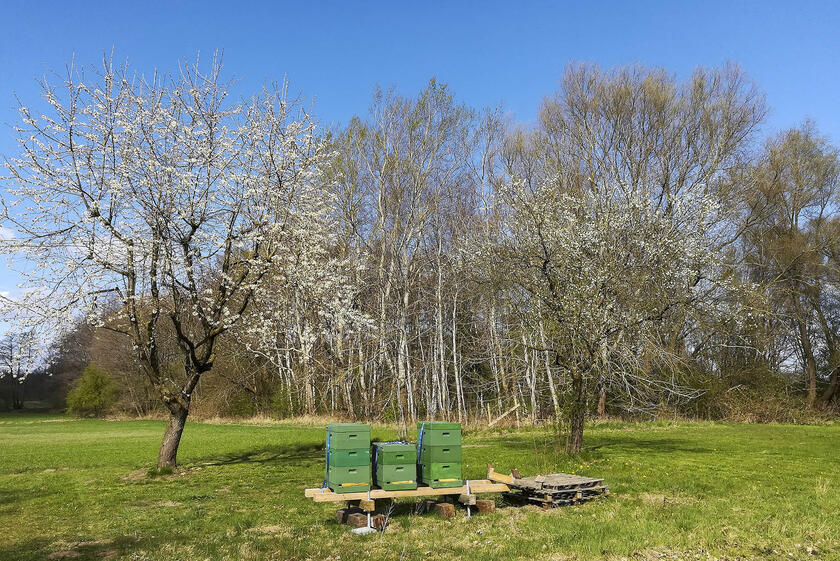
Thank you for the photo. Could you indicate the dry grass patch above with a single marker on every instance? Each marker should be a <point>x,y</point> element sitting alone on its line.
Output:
<point>659,499</point>
<point>271,529</point>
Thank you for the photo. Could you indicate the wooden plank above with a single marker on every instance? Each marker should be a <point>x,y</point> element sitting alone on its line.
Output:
<point>337,497</point>
<point>556,481</point>
<point>562,492</point>
<point>309,493</point>
<point>503,415</point>
<point>492,475</point>
<point>487,487</point>
<point>475,486</point>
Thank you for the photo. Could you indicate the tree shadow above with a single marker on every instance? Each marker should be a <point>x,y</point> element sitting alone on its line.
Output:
<point>614,443</point>
<point>9,500</point>
<point>39,548</point>
<point>263,455</point>
<point>8,497</point>
<point>601,446</point>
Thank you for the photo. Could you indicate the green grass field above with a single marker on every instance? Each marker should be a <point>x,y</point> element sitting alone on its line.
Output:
<point>79,489</point>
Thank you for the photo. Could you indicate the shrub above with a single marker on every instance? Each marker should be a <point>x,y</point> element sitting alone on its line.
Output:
<point>241,404</point>
<point>92,394</point>
<point>282,402</point>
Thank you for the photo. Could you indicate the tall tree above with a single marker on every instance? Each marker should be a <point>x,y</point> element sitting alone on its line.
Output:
<point>792,242</point>
<point>616,205</point>
<point>167,197</point>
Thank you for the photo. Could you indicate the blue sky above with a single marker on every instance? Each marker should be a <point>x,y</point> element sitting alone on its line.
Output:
<point>490,53</point>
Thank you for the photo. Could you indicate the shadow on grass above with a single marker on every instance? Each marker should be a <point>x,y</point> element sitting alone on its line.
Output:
<point>615,443</point>
<point>596,447</point>
<point>10,500</point>
<point>8,497</point>
<point>44,548</point>
<point>263,455</point>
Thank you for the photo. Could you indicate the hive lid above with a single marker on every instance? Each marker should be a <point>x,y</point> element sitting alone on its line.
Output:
<point>395,447</point>
<point>439,425</point>
<point>348,427</point>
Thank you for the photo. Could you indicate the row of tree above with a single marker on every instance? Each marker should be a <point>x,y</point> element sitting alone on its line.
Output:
<point>429,260</point>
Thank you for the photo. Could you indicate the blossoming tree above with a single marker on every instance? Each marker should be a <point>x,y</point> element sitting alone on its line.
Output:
<point>142,201</point>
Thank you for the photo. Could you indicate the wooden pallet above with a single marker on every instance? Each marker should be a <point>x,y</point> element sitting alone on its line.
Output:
<point>557,489</point>
<point>472,487</point>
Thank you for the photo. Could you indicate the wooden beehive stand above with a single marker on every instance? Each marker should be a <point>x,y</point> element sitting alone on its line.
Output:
<point>553,490</point>
<point>548,491</point>
<point>360,508</point>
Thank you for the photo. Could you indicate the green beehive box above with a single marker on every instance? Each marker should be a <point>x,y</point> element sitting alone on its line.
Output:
<point>345,436</point>
<point>437,475</point>
<point>394,454</point>
<point>439,434</point>
<point>395,477</point>
<point>349,457</point>
<point>349,479</point>
<point>441,454</point>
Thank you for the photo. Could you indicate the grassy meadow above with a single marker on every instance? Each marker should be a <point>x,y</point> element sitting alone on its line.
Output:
<point>81,489</point>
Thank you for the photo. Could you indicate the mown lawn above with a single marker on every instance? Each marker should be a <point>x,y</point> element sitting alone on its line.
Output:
<point>78,489</point>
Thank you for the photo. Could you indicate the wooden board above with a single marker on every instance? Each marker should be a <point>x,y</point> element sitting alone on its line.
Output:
<point>493,475</point>
<point>557,481</point>
<point>585,491</point>
<point>475,486</point>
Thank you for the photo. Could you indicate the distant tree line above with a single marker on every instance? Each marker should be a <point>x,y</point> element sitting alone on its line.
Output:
<point>640,249</point>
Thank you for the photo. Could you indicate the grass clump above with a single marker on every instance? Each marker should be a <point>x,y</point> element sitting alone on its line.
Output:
<point>155,471</point>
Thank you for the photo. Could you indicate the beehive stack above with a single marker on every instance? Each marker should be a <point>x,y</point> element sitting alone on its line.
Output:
<point>348,457</point>
<point>439,458</point>
<point>394,465</point>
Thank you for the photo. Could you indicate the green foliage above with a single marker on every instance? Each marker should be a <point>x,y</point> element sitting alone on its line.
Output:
<point>391,414</point>
<point>241,404</point>
<point>93,394</point>
<point>680,490</point>
<point>282,402</point>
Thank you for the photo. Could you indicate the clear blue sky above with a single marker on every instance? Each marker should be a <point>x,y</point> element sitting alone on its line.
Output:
<point>509,53</point>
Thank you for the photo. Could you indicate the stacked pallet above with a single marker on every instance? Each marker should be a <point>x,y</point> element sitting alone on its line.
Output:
<point>439,454</point>
<point>348,458</point>
<point>394,465</point>
<point>557,489</point>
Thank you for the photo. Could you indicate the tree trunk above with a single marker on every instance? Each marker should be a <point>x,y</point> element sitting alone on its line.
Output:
<point>833,386</point>
<point>548,375</point>
<point>810,362</point>
<point>17,401</point>
<point>602,402</point>
<point>167,457</point>
<point>577,416</point>
<point>807,352</point>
